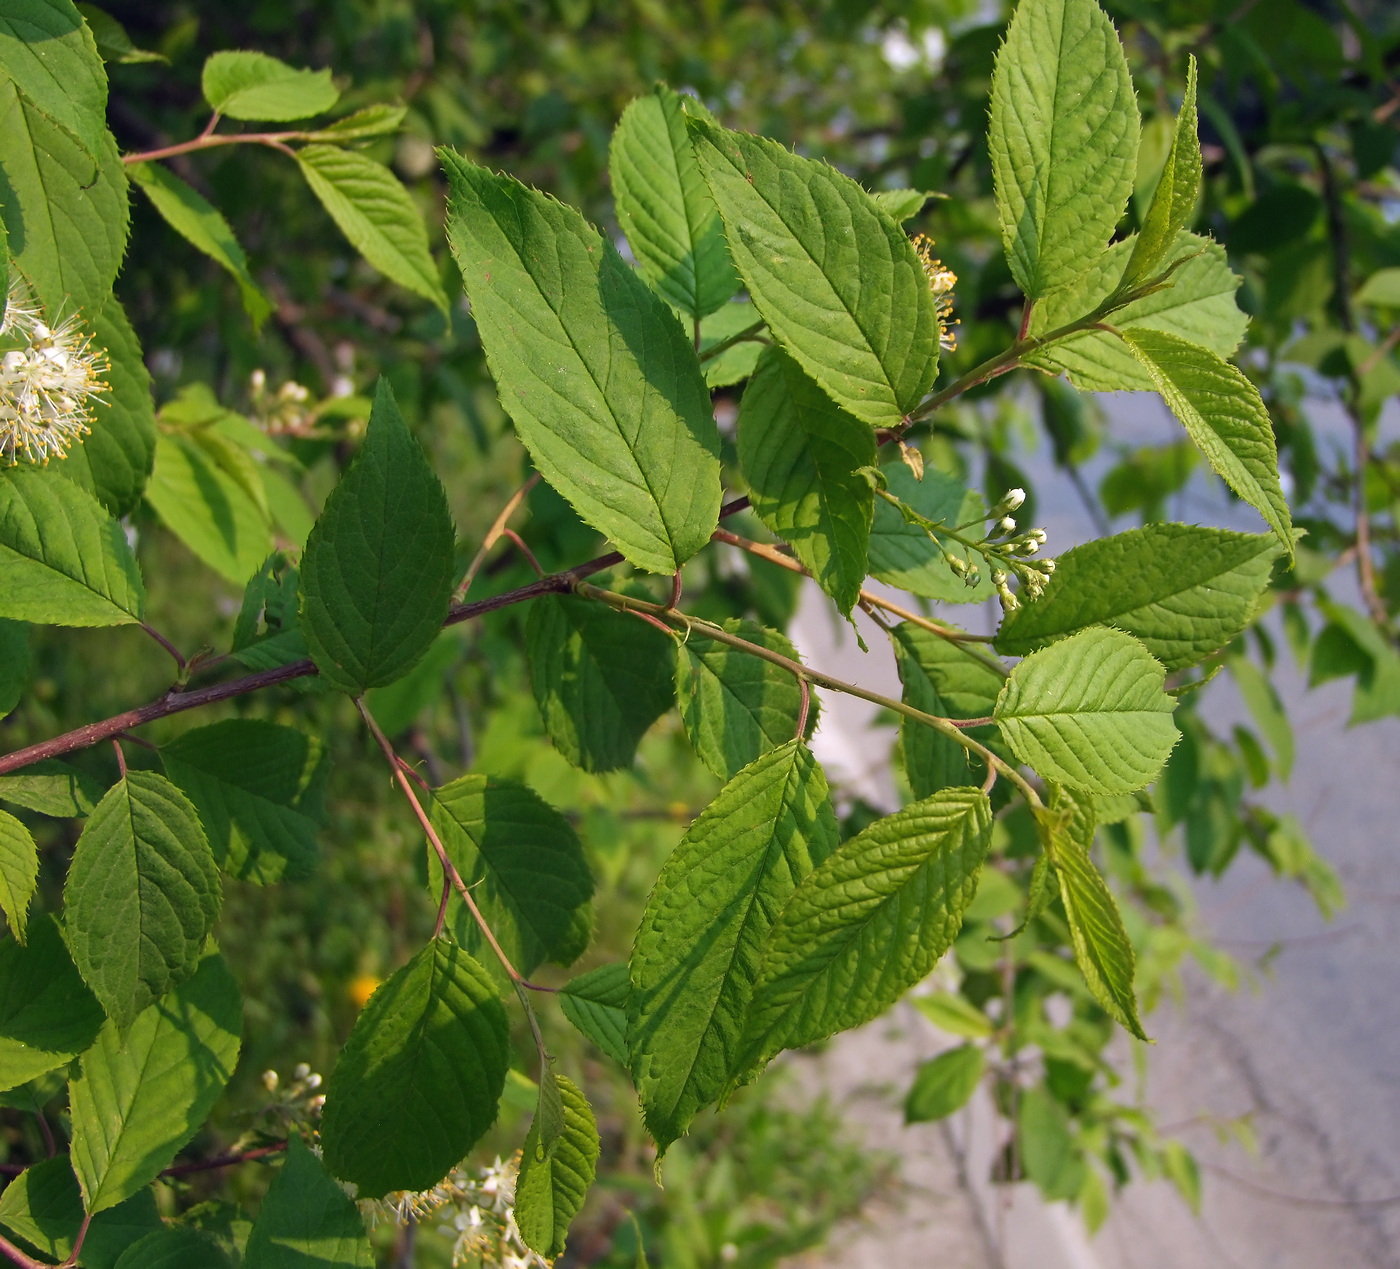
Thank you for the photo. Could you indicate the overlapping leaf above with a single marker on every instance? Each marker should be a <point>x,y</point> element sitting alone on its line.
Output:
<point>904,555</point>
<point>176,1247</point>
<point>249,85</point>
<point>14,664</point>
<point>19,873</point>
<point>47,1014</point>
<point>944,1084</point>
<point>44,1206</point>
<point>596,1003</point>
<point>554,1183</point>
<point>306,1220</point>
<point>52,788</point>
<point>46,49</point>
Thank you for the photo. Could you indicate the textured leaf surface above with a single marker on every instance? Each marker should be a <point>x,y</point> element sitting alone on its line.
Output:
<point>14,667</point>
<point>376,576</point>
<point>1090,712</point>
<point>600,678</point>
<point>1063,139</point>
<point>255,785</point>
<point>525,865</point>
<point>944,1084</point>
<point>307,1221</point>
<point>596,1003</point>
<point>248,85</point>
<point>801,453</point>
<point>146,1090</point>
<point>834,277</point>
<point>19,873</point>
<point>736,706</point>
<point>553,1184</point>
<point>45,48</point>
<point>1175,199</point>
<point>697,951</point>
<point>592,366</point>
<point>141,896</point>
<point>174,1248</point>
<point>1185,591</point>
<point>63,560</point>
<point>665,208</point>
<point>52,788</point>
<point>868,923</point>
<point>1223,414</point>
<point>903,555</point>
<point>418,1080</point>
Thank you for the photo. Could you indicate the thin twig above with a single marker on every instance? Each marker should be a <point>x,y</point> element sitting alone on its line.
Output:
<point>17,1257</point>
<point>493,535</point>
<point>442,906</point>
<point>164,643</point>
<point>225,1160</point>
<point>79,1240</point>
<point>210,140</point>
<point>806,689</point>
<point>519,544</point>
<point>121,757</point>
<point>724,345</point>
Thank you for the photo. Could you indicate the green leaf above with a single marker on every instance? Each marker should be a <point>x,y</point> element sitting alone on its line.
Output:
<point>65,209</point>
<point>174,1248</point>
<point>397,707</point>
<point>736,706</point>
<point>903,555</point>
<point>113,43</point>
<point>203,226</point>
<point>1090,712</point>
<point>554,1183</point>
<point>665,208</point>
<point>600,678</point>
<point>1223,414</point>
<point>19,873</point>
<point>1045,1144</point>
<point>1262,700</point>
<point>376,576</point>
<point>955,1015</point>
<point>146,1089</point>
<point>1185,591</point>
<point>901,204</point>
<point>698,948</point>
<point>377,120</point>
<point>142,894</point>
<point>1199,306</point>
<point>14,668</point>
<point>418,1080</point>
<point>44,1206</point>
<point>1063,139</point>
<point>1382,288</point>
<point>1177,191</point>
<point>47,1014</point>
<point>307,1221</point>
<point>944,1084</point>
<point>868,923</point>
<point>256,786</point>
<point>940,678</point>
<point>63,560</point>
<point>596,1003</point>
<point>525,865</point>
<point>801,455</point>
<point>835,278</point>
<point>592,366</point>
<point>376,214</point>
<point>245,85</point>
<point>737,362</point>
<point>47,50</point>
<point>52,788</point>
<point>1180,1166</point>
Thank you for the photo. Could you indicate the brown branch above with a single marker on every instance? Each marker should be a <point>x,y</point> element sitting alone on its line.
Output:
<point>225,1160</point>
<point>210,140</point>
<point>16,1257</point>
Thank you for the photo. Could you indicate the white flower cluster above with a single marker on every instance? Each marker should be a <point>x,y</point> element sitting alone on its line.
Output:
<point>49,378</point>
<point>299,1100</point>
<point>286,411</point>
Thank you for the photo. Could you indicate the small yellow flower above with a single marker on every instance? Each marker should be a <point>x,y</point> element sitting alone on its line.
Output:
<point>941,281</point>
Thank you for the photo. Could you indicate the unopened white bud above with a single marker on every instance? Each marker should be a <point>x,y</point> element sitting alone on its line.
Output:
<point>1029,547</point>
<point>1014,499</point>
<point>1006,525</point>
<point>269,1079</point>
<point>301,1071</point>
<point>259,380</point>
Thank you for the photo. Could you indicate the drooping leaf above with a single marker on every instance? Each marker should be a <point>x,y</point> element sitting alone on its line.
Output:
<point>254,86</point>
<point>63,560</point>
<point>901,204</point>
<point>14,667</point>
<point>376,214</point>
<point>525,864</point>
<point>307,1221</point>
<point>376,120</point>
<point>835,278</point>
<point>49,54</point>
<point>174,1248</point>
<point>1063,139</point>
<point>903,555</point>
<point>113,43</point>
<point>256,786</point>
<point>664,205</point>
<point>801,454</point>
<point>697,951</point>
<point>1261,699</point>
<point>1225,417</point>
<point>1090,712</point>
<point>376,576</point>
<point>600,678</point>
<point>146,1089</point>
<point>52,788</point>
<point>868,924</point>
<point>554,1183</point>
<point>592,366</point>
<point>418,1080</point>
<point>142,894</point>
<point>1046,1145</point>
<point>1185,591</point>
<point>19,873</point>
<point>955,1015</point>
<point>944,1084</point>
<point>596,1003</point>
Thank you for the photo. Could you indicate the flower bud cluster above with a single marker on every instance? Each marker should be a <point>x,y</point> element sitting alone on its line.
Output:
<point>284,412</point>
<point>1013,549</point>
<point>298,1100</point>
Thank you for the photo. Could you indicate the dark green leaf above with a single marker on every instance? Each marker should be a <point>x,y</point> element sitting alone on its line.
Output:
<point>307,1221</point>
<point>19,873</point>
<point>596,1003</point>
<point>1177,191</point>
<point>46,49</point>
<point>944,1084</point>
<point>14,668</point>
<point>178,1248</point>
<point>903,554</point>
<point>553,1183</point>
<point>52,788</point>
<point>245,85</point>
<point>113,43</point>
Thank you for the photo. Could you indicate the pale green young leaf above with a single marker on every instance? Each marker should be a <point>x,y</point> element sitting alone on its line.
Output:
<point>1177,191</point>
<point>553,1183</point>
<point>737,362</point>
<point>256,786</point>
<point>1184,590</point>
<point>944,1084</point>
<point>376,214</point>
<point>736,706</point>
<point>835,278</point>
<point>903,555</point>
<point>868,924</point>
<point>600,678</point>
<point>203,226</point>
<point>63,560</point>
<point>1090,712</point>
<point>1063,139</point>
<point>52,787</point>
<point>306,1220</point>
<point>955,1015</point>
<point>1225,417</point>
<point>375,120</point>
<point>47,1014</point>
<point>50,55</point>
<point>526,867</point>
<point>146,1089</point>
<point>376,576</point>
<point>1261,698</point>
<point>665,208</point>
<point>901,204</point>
<point>1382,288</point>
<point>698,948</point>
<point>596,1003</point>
<point>254,86</point>
<point>801,454</point>
<point>176,1247</point>
<point>19,873</point>
<point>417,1082</point>
<point>141,896</point>
<point>14,667</point>
<point>591,364</point>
